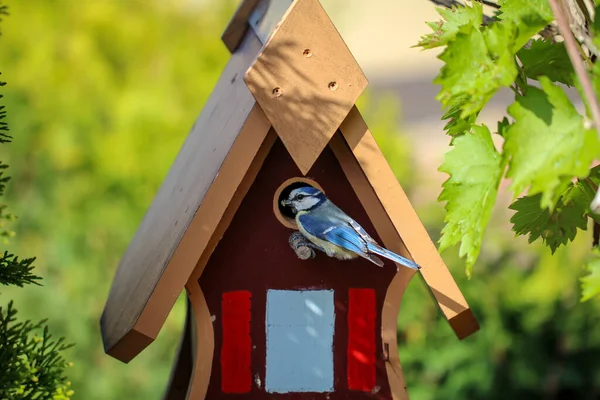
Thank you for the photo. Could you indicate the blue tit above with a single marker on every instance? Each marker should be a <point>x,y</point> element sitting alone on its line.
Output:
<point>332,231</point>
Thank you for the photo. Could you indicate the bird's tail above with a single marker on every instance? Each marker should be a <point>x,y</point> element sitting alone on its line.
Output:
<point>374,248</point>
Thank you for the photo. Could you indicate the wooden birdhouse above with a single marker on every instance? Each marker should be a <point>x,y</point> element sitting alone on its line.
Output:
<point>262,320</point>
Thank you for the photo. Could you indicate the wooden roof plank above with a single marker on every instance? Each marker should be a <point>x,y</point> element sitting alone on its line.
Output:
<point>391,240</point>
<point>181,373</point>
<point>306,81</point>
<point>238,25</point>
<point>167,220</point>
<point>266,16</point>
<point>407,223</point>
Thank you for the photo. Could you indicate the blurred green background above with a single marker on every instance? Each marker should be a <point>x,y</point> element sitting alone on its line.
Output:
<point>101,95</point>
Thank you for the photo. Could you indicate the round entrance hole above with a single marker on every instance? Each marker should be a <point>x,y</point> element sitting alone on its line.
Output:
<point>285,214</point>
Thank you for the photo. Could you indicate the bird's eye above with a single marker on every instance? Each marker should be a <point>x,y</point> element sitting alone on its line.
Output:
<point>300,196</point>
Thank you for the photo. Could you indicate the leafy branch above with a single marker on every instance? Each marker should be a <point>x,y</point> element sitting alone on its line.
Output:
<point>17,272</point>
<point>31,365</point>
<point>548,148</point>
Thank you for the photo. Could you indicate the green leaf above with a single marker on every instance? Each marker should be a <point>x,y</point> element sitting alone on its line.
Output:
<point>530,16</point>
<point>475,168</point>
<point>590,284</point>
<point>594,175</point>
<point>446,29</point>
<point>477,64</point>
<point>457,125</point>
<point>503,126</point>
<point>548,59</point>
<point>547,146</point>
<point>556,227</point>
<point>595,25</point>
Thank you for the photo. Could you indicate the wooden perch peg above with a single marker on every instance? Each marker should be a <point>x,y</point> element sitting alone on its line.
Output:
<point>300,246</point>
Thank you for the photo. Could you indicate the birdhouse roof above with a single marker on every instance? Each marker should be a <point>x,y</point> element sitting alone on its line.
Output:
<point>290,77</point>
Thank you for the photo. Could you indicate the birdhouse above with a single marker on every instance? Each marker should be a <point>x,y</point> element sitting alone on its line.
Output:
<point>264,318</point>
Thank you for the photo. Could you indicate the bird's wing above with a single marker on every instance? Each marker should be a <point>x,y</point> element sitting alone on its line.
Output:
<point>360,230</point>
<point>342,235</point>
<point>355,225</point>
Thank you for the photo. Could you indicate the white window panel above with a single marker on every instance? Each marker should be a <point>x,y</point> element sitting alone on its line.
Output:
<point>300,327</point>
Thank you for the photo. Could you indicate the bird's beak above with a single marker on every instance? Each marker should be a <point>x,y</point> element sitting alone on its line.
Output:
<point>285,203</point>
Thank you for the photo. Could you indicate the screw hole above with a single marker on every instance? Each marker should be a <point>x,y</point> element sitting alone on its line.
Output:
<point>277,92</point>
<point>333,86</point>
<point>307,53</point>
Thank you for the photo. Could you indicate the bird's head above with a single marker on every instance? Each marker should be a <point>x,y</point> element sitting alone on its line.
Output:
<point>304,198</point>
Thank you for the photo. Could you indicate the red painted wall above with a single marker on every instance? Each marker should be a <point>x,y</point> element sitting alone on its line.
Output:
<point>254,256</point>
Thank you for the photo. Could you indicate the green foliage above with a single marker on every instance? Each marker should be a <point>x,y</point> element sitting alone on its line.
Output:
<point>475,168</point>
<point>32,365</point>
<point>558,226</point>
<point>590,283</point>
<point>536,341</point>
<point>16,272</point>
<point>548,145</point>
<point>457,125</point>
<point>446,29</point>
<point>529,17</point>
<point>5,216</point>
<point>477,64</point>
<point>4,136</point>
<point>549,59</point>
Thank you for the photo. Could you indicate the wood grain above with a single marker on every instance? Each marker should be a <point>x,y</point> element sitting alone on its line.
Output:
<point>238,25</point>
<point>159,261</point>
<point>408,225</point>
<point>306,81</point>
<point>181,374</point>
<point>205,338</point>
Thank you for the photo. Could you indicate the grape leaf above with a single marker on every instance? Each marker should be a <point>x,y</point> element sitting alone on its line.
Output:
<point>590,284</point>
<point>453,19</point>
<point>457,125</point>
<point>549,59</point>
<point>556,227</point>
<point>475,168</point>
<point>531,16</point>
<point>594,175</point>
<point>503,126</point>
<point>477,64</point>
<point>547,146</point>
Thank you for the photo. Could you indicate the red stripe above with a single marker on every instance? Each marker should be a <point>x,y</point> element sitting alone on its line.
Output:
<point>361,339</point>
<point>236,376</point>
